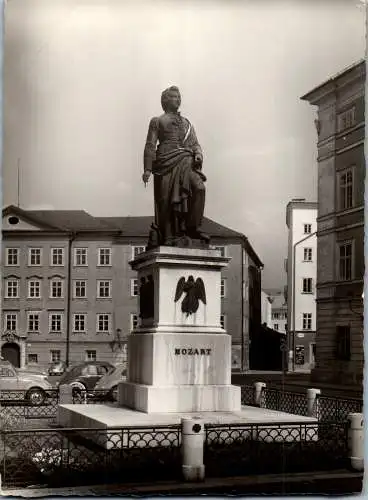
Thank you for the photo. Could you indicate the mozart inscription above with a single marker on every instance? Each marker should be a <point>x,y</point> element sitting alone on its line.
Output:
<point>192,351</point>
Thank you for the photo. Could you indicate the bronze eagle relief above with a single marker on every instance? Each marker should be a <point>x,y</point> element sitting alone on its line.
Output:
<point>194,290</point>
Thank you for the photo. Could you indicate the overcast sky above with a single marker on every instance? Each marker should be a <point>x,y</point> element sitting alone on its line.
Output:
<point>83,77</point>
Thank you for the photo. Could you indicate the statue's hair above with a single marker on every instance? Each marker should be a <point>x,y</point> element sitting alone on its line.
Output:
<point>165,94</point>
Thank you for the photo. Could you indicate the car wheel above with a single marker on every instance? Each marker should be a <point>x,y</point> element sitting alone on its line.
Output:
<point>79,392</point>
<point>113,393</point>
<point>36,396</point>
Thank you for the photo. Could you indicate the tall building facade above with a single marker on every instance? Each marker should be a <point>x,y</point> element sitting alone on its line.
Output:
<point>340,226</point>
<point>301,220</point>
<point>266,309</point>
<point>69,292</point>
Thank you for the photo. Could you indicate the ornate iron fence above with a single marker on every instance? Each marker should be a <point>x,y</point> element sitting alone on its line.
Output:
<point>70,457</point>
<point>94,396</point>
<point>289,402</point>
<point>336,409</point>
<point>247,395</point>
<point>243,449</point>
<point>17,409</point>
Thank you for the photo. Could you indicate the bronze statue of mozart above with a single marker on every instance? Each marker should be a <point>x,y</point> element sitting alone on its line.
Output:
<point>173,156</point>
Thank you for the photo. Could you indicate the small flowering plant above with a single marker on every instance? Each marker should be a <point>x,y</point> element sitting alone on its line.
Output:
<point>47,460</point>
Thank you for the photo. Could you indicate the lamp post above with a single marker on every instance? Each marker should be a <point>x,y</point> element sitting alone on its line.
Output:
<point>293,291</point>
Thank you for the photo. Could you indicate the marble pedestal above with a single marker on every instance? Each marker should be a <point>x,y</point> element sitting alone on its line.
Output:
<point>179,362</point>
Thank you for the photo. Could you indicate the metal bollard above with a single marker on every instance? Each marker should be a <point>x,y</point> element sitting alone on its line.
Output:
<point>312,402</point>
<point>65,394</point>
<point>259,388</point>
<point>356,440</point>
<point>192,448</point>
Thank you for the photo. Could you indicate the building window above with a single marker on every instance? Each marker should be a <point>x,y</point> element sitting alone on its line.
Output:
<point>11,321</point>
<point>32,359</point>
<point>33,322</point>
<point>346,189</point>
<point>91,356</point>
<point>275,315</point>
<point>12,289</point>
<point>103,289</point>
<point>307,228</point>
<point>345,261</point>
<point>134,291</point>
<point>34,257</point>
<point>104,256</point>
<point>56,289</point>
<point>80,289</point>
<point>80,257</point>
<point>55,356</point>
<point>276,326</point>
<point>79,323</point>
<point>222,250</point>
<point>307,254</point>
<point>223,288</point>
<point>223,321</point>
<point>285,327</point>
<point>346,119</point>
<point>307,285</point>
<point>103,323</point>
<point>133,321</point>
<point>12,256</point>
<point>57,256</point>
<point>55,322</point>
<point>307,321</point>
<point>343,351</point>
<point>34,289</point>
<point>137,251</point>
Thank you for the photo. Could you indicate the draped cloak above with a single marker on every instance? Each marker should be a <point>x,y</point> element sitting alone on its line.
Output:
<point>172,165</point>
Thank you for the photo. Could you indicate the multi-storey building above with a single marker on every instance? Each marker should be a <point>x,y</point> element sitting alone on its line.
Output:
<point>69,292</point>
<point>301,266</point>
<point>278,313</point>
<point>340,226</point>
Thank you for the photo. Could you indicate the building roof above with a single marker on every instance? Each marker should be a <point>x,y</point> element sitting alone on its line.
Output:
<point>131,226</point>
<point>299,203</point>
<point>139,226</point>
<point>359,65</point>
<point>278,302</point>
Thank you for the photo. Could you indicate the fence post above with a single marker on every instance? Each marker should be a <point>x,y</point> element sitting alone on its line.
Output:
<point>192,446</point>
<point>259,388</point>
<point>65,394</point>
<point>356,440</point>
<point>312,402</point>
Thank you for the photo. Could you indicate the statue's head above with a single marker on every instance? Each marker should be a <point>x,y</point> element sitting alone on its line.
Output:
<point>171,99</point>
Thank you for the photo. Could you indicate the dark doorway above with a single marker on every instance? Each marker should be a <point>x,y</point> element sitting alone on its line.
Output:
<point>11,352</point>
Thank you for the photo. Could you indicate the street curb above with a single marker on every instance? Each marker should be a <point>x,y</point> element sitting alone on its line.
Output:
<point>171,487</point>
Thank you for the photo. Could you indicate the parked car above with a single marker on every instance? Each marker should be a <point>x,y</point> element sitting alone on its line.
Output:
<point>27,385</point>
<point>84,377</point>
<point>107,386</point>
<point>57,368</point>
<point>34,369</point>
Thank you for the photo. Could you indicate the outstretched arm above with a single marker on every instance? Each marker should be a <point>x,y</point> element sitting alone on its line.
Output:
<point>150,149</point>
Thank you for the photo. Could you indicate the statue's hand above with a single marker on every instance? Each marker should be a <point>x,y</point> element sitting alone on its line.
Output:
<point>146,175</point>
<point>198,161</point>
